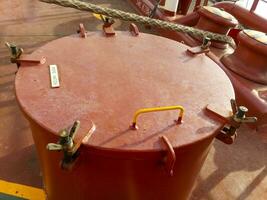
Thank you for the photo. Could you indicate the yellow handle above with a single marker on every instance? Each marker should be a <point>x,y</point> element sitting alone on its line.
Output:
<point>146,110</point>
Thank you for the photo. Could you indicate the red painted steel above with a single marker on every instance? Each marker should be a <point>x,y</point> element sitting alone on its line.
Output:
<point>244,16</point>
<point>104,80</point>
<point>248,93</point>
<point>249,59</point>
<point>212,22</point>
<point>133,29</point>
<point>82,31</point>
<point>247,70</point>
<point>30,60</point>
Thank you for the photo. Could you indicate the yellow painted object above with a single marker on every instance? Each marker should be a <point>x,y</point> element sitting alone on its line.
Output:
<point>146,110</point>
<point>21,191</point>
<point>100,17</point>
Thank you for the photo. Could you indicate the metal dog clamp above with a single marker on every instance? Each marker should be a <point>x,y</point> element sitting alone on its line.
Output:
<point>70,142</point>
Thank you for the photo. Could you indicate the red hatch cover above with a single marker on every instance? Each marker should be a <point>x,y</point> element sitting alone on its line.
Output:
<point>106,80</point>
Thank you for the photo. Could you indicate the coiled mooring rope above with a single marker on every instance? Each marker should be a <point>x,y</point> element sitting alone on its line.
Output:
<point>118,14</point>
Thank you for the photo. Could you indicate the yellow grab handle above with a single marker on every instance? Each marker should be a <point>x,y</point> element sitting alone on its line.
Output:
<point>146,110</point>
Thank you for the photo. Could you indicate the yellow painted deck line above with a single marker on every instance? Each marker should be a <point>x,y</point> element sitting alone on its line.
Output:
<point>22,191</point>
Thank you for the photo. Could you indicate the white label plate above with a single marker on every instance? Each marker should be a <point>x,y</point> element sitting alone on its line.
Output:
<point>54,76</point>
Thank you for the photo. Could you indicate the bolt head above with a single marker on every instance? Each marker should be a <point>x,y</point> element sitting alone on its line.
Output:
<point>63,133</point>
<point>243,109</point>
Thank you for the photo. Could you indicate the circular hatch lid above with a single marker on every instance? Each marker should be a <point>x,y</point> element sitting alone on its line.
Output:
<point>256,35</point>
<point>221,13</point>
<point>105,80</point>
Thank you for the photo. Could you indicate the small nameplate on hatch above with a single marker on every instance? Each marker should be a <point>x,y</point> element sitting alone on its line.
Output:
<point>54,76</point>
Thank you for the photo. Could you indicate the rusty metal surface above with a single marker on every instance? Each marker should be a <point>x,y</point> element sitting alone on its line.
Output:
<point>107,79</point>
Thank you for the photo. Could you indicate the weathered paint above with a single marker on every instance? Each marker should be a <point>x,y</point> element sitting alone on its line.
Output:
<point>9,190</point>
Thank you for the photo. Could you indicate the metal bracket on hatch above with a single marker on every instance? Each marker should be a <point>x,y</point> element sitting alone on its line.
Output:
<point>204,48</point>
<point>107,26</point>
<point>170,158</point>
<point>69,143</point>
<point>233,120</point>
<point>19,58</point>
<point>82,31</point>
<point>134,29</point>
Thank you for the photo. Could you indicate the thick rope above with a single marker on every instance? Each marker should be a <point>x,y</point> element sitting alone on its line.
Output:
<point>118,14</point>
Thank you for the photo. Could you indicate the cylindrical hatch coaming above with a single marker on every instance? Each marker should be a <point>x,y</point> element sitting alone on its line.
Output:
<point>100,174</point>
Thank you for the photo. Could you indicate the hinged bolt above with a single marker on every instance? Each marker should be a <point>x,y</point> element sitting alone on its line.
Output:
<point>66,144</point>
<point>241,112</point>
<point>206,43</point>
<point>108,21</point>
<point>15,52</point>
<point>228,132</point>
<point>240,116</point>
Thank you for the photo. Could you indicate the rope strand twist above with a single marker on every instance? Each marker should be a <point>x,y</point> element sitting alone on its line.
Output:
<point>118,14</point>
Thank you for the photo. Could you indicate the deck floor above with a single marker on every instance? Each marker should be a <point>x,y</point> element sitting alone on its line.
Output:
<point>237,171</point>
